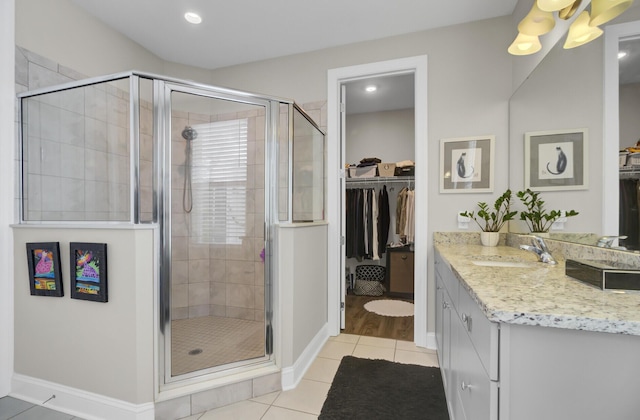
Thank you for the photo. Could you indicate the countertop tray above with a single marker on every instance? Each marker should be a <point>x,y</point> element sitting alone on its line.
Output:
<point>605,275</point>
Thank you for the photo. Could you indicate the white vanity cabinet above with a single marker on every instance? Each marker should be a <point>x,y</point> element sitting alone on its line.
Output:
<point>513,368</point>
<point>467,350</point>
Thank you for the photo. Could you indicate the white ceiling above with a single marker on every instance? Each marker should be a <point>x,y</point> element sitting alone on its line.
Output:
<point>393,92</point>
<point>242,31</point>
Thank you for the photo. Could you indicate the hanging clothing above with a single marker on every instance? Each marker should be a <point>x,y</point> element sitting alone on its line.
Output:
<point>363,225</point>
<point>405,218</point>
<point>384,219</point>
<point>375,255</point>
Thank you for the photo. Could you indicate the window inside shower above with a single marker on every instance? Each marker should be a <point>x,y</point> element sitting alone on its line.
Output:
<point>219,181</point>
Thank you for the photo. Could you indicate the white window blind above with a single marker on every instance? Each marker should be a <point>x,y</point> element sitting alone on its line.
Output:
<point>219,182</point>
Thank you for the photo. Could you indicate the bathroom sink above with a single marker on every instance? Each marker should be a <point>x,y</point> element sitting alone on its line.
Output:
<point>511,264</point>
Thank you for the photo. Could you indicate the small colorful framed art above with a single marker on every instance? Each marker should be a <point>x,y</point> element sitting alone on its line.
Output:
<point>45,276</point>
<point>88,271</point>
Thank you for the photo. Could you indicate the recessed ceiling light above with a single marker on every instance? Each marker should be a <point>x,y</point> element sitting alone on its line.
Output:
<point>622,54</point>
<point>192,17</point>
<point>371,88</point>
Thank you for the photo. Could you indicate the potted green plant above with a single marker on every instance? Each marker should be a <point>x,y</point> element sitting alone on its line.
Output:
<point>491,219</point>
<point>537,218</point>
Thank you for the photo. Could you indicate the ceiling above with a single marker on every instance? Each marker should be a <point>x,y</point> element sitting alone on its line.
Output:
<point>242,31</point>
<point>393,92</point>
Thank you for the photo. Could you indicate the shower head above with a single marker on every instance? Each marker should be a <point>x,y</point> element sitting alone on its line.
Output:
<point>189,133</point>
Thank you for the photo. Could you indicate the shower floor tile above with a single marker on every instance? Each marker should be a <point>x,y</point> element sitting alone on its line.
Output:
<point>204,342</point>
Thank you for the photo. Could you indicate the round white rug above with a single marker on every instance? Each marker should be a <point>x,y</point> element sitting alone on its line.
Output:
<point>387,307</point>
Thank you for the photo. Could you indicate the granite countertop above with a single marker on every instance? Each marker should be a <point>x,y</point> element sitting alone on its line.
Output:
<point>539,294</point>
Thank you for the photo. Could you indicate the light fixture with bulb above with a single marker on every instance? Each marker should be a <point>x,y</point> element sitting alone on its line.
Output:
<point>540,20</point>
<point>371,88</point>
<point>193,17</point>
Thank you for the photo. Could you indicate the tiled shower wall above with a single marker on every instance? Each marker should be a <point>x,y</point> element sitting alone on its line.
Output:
<point>77,146</point>
<point>217,279</point>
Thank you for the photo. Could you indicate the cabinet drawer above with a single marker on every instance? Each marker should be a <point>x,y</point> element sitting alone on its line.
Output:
<point>482,333</point>
<point>476,394</point>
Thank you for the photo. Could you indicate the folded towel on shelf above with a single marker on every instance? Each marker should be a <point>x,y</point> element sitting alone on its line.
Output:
<point>405,163</point>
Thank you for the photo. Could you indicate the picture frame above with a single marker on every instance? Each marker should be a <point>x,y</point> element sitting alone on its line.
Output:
<point>45,274</point>
<point>556,160</point>
<point>88,268</point>
<point>466,164</point>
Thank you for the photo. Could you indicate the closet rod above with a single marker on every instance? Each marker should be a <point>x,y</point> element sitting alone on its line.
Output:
<point>630,173</point>
<point>381,180</point>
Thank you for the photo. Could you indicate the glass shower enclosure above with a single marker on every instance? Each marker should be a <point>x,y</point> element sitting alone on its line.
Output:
<point>212,169</point>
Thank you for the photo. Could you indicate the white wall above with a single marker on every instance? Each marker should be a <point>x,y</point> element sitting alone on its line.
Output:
<point>387,135</point>
<point>302,261</point>
<point>7,188</point>
<point>102,348</point>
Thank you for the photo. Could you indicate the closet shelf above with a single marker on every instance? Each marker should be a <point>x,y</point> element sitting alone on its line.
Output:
<point>381,180</point>
<point>630,172</point>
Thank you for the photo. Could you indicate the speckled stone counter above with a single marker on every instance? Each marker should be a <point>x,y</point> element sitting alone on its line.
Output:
<point>539,294</point>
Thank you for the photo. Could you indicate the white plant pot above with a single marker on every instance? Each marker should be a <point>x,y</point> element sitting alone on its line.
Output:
<point>489,238</point>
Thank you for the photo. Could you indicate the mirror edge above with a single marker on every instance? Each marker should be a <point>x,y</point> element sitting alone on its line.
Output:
<point>610,200</point>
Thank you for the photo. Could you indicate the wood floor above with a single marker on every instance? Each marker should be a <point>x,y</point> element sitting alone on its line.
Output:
<point>362,322</point>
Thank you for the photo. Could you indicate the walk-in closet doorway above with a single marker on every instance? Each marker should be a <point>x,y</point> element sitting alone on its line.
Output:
<point>340,81</point>
<point>378,126</point>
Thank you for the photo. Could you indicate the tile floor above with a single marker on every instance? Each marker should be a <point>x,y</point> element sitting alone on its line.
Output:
<point>302,403</point>
<point>216,341</point>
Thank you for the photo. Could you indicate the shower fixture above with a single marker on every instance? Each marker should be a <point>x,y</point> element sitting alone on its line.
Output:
<point>189,134</point>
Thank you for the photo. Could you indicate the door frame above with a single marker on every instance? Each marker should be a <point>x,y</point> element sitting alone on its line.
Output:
<point>335,175</point>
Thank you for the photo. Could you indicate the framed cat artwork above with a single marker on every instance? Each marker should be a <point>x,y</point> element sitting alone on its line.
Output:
<point>466,164</point>
<point>556,160</point>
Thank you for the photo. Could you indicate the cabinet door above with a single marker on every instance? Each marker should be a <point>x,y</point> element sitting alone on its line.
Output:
<point>443,330</point>
<point>482,333</point>
<point>476,394</point>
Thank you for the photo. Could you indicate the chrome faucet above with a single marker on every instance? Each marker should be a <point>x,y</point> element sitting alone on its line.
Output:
<point>607,241</point>
<point>539,248</point>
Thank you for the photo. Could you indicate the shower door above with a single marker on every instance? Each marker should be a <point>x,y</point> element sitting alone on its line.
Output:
<point>213,232</point>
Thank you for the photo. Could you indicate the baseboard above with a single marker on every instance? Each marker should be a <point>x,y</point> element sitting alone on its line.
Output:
<point>77,402</point>
<point>292,375</point>
<point>431,341</point>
